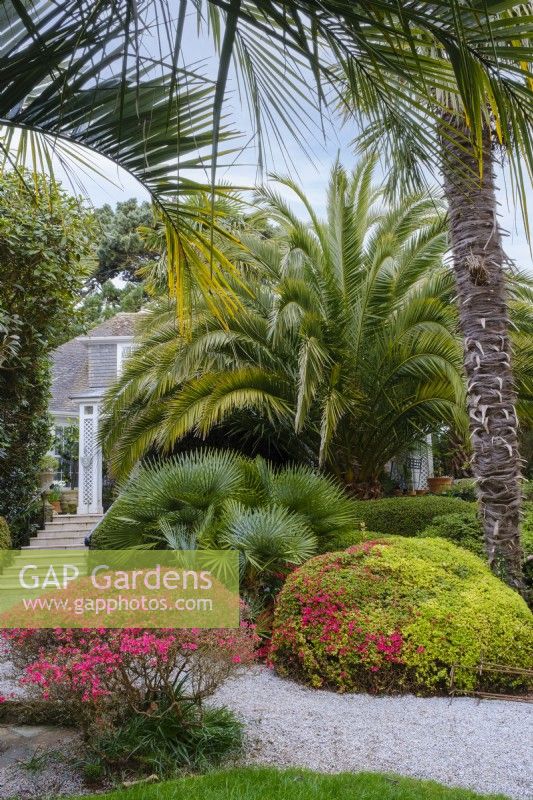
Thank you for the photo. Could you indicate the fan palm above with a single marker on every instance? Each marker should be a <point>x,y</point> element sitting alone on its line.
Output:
<point>219,500</point>
<point>88,72</point>
<point>348,338</point>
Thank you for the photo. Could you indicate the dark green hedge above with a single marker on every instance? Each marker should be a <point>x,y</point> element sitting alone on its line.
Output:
<point>406,516</point>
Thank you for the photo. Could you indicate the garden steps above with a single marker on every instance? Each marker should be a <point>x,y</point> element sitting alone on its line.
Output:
<point>64,532</point>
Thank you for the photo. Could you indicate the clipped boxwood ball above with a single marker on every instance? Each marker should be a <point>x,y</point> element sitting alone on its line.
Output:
<point>395,614</point>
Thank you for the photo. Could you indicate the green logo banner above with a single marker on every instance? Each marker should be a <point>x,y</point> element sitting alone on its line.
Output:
<point>119,589</point>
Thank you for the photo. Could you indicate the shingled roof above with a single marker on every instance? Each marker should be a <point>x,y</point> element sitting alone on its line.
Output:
<point>69,375</point>
<point>122,324</point>
<point>70,372</point>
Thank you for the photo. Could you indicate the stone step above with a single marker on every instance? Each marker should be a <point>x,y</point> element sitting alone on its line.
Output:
<point>50,542</point>
<point>71,531</point>
<point>61,534</point>
<point>41,564</point>
<point>57,524</point>
<point>12,580</point>
<point>37,557</point>
<point>56,546</point>
<point>64,532</point>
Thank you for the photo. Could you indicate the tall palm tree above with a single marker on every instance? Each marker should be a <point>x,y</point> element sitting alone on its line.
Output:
<point>347,338</point>
<point>444,136</point>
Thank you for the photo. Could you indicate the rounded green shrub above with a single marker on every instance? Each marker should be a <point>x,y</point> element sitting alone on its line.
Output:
<point>396,614</point>
<point>462,528</point>
<point>465,530</point>
<point>527,546</point>
<point>344,539</point>
<point>406,516</point>
<point>5,535</point>
<point>527,491</point>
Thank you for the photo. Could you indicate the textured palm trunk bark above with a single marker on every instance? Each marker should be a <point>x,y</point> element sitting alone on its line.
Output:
<point>478,261</point>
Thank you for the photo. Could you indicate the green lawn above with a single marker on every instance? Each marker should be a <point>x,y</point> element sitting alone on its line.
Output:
<point>271,784</point>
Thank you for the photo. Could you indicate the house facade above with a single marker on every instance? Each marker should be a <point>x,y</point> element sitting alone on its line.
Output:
<point>82,370</point>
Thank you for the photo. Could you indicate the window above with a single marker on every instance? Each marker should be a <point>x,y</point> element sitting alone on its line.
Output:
<point>123,351</point>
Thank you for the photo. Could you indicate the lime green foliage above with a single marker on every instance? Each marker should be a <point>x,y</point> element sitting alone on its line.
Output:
<point>464,529</point>
<point>345,539</point>
<point>527,490</point>
<point>395,614</point>
<point>406,516</point>
<point>217,499</point>
<point>258,784</point>
<point>527,546</point>
<point>5,535</point>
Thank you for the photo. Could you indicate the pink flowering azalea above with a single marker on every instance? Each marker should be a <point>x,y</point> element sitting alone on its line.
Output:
<point>98,668</point>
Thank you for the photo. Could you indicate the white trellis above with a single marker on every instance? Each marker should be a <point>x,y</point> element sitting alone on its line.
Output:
<point>90,462</point>
<point>412,469</point>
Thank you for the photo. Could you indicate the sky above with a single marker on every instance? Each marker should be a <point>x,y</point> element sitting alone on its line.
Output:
<point>312,176</point>
<point>312,172</point>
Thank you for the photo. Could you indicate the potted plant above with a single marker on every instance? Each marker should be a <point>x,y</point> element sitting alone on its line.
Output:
<point>439,483</point>
<point>54,498</point>
<point>47,468</point>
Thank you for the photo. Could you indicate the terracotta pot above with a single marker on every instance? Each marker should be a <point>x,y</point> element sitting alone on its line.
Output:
<point>439,485</point>
<point>56,505</point>
<point>420,492</point>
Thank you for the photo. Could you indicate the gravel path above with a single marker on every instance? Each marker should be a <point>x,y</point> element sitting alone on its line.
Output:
<point>39,762</point>
<point>9,684</point>
<point>486,746</point>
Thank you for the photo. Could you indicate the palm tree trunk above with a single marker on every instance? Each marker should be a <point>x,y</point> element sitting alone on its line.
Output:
<point>478,260</point>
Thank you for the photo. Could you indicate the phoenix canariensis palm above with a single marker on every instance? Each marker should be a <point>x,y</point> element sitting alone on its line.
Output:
<point>348,338</point>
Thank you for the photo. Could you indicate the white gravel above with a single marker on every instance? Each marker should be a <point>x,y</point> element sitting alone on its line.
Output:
<point>485,746</point>
<point>39,762</point>
<point>9,683</point>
